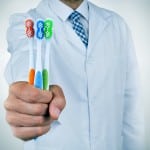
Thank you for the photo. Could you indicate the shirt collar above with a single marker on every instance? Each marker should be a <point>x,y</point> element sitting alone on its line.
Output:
<point>63,11</point>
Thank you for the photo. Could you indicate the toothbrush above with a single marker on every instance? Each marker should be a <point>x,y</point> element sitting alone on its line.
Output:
<point>39,36</point>
<point>48,32</point>
<point>30,34</point>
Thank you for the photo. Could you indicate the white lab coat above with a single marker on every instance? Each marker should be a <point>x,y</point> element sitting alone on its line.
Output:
<point>100,83</point>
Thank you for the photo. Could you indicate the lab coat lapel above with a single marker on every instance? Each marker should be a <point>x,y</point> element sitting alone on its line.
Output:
<point>97,24</point>
<point>98,48</point>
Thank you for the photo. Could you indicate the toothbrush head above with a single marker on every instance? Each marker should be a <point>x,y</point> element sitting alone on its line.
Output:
<point>29,24</point>
<point>48,28</point>
<point>40,29</point>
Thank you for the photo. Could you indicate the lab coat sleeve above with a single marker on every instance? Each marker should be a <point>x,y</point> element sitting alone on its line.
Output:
<point>17,67</point>
<point>133,118</point>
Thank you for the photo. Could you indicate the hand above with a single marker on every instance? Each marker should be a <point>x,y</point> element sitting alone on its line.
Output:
<point>30,111</point>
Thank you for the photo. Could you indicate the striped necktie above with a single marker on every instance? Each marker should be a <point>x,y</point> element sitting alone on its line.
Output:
<point>78,27</point>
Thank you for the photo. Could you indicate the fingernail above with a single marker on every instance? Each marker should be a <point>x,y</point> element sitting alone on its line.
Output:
<point>57,112</point>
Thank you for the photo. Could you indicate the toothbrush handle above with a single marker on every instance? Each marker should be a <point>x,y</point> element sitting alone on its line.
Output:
<point>31,76</point>
<point>45,79</point>
<point>38,80</point>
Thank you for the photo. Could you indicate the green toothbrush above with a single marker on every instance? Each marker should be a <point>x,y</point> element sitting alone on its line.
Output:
<point>48,32</point>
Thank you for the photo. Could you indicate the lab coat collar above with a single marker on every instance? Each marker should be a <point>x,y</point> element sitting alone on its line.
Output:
<point>84,9</point>
<point>63,11</point>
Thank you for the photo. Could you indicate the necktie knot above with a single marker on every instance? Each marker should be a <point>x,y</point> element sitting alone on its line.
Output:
<point>75,16</point>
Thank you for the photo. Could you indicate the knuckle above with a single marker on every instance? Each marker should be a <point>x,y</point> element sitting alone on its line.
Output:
<point>16,87</point>
<point>6,104</point>
<point>9,118</point>
<point>12,120</point>
<point>10,104</point>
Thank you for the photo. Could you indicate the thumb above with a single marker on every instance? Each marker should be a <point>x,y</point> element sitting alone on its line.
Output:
<point>58,102</point>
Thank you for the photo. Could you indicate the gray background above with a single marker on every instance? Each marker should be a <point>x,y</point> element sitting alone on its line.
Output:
<point>136,14</point>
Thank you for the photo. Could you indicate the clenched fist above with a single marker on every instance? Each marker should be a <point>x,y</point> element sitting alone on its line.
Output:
<point>30,111</point>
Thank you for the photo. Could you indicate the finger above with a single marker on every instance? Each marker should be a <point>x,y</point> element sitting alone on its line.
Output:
<point>27,133</point>
<point>58,103</point>
<point>30,94</point>
<point>22,120</point>
<point>17,105</point>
